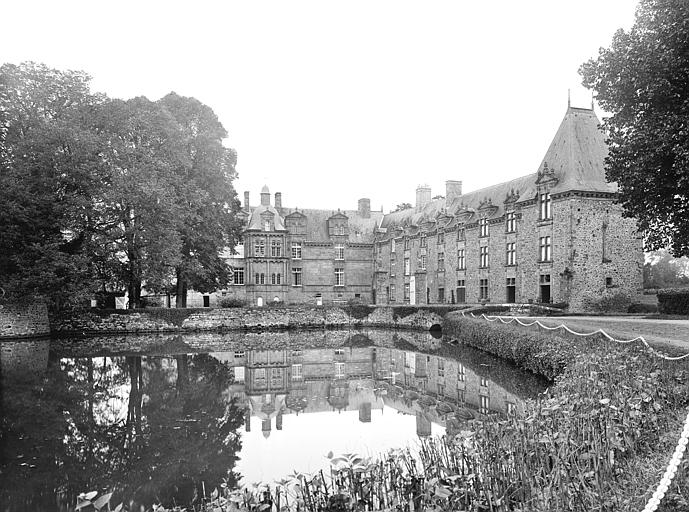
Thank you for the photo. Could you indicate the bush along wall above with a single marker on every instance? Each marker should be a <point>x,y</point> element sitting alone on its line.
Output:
<point>673,301</point>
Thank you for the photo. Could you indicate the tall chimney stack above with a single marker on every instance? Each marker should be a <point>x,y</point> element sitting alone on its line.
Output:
<point>365,208</point>
<point>247,208</point>
<point>423,196</point>
<point>453,190</point>
<point>278,200</point>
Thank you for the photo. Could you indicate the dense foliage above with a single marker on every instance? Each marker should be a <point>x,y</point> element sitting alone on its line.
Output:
<point>642,79</point>
<point>673,301</point>
<point>102,194</point>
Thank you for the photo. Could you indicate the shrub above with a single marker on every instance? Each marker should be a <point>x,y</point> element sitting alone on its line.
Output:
<point>608,302</point>
<point>643,308</point>
<point>673,301</point>
<point>230,302</point>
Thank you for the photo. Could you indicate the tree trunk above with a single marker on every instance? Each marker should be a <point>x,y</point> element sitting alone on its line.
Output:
<point>181,296</point>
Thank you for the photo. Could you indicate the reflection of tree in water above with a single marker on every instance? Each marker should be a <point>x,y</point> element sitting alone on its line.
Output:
<point>180,430</point>
<point>152,429</point>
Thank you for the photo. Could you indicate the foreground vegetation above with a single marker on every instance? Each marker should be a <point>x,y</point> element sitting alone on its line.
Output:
<point>598,440</point>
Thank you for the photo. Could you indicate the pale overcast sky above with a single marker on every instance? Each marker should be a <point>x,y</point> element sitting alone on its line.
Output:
<point>329,101</point>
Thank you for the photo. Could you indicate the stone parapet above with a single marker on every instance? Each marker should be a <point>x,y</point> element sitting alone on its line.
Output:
<point>235,319</point>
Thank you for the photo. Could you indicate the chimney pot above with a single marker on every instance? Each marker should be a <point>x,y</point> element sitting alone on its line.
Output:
<point>278,200</point>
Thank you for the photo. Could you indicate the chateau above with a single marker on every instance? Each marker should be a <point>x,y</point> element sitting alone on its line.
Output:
<point>556,235</point>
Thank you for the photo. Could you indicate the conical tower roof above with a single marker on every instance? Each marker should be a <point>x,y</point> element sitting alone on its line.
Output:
<point>577,154</point>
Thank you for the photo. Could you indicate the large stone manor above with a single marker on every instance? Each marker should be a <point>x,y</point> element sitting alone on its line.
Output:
<point>553,236</point>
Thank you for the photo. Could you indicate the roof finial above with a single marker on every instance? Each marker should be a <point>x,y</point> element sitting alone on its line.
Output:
<point>569,100</point>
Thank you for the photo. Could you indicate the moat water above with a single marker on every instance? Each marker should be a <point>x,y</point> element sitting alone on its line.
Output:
<point>158,418</point>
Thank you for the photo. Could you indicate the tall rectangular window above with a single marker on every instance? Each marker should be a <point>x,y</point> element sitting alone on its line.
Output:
<point>422,262</point>
<point>483,289</point>
<point>546,249</point>
<point>275,248</point>
<point>510,222</point>
<point>392,245</point>
<point>441,261</point>
<point>441,238</point>
<point>296,276</point>
<point>259,247</point>
<point>407,243</point>
<point>422,241</point>
<point>484,404</point>
<point>296,250</point>
<point>461,373</point>
<point>239,276</point>
<point>461,262</point>
<point>483,226</point>
<point>407,266</point>
<point>483,257</point>
<point>545,204</point>
<point>393,293</point>
<point>441,367</point>
<point>339,276</point>
<point>266,225</point>
<point>460,235</point>
<point>511,254</point>
<point>296,372</point>
<point>406,292</point>
<point>339,252</point>
<point>339,369</point>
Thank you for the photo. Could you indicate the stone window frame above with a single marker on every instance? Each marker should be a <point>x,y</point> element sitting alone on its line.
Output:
<point>510,254</point>
<point>461,259</point>
<point>423,261</point>
<point>545,249</point>
<point>393,293</point>
<point>238,275</point>
<point>483,261</point>
<point>545,206</point>
<point>275,248</point>
<point>296,250</point>
<point>407,266</point>
<point>423,241</point>
<point>407,292</point>
<point>441,261</point>
<point>441,238</point>
<point>297,278</point>
<point>339,276</point>
<point>510,221</point>
<point>483,289</point>
<point>483,231</point>
<point>340,252</point>
<point>260,247</point>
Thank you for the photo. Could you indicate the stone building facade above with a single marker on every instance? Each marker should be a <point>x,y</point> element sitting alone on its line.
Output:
<point>553,236</point>
<point>303,255</point>
<point>557,235</point>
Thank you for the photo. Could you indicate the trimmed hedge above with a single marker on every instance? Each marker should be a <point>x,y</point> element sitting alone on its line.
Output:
<point>673,301</point>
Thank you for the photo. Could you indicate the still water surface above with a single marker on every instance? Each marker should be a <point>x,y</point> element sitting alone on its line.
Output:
<point>152,417</point>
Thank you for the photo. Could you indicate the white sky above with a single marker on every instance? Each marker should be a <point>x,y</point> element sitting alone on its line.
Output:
<point>330,101</point>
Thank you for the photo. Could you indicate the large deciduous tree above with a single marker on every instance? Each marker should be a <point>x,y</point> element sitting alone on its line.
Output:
<point>49,172</point>
<point>206,198</point>
<point>642,79</point>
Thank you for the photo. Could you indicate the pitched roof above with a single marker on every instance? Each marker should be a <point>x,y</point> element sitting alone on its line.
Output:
<point>255,221</point>
<point>576,157</point>
<point>360,229</point>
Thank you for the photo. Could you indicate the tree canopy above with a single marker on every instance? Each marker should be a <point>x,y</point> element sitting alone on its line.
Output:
<point>642,79</point>
<point>107,194</point>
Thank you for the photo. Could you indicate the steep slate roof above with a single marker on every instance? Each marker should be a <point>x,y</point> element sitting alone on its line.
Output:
<point>317,226</point>
<point>576,156</point>
<point>255,221</point>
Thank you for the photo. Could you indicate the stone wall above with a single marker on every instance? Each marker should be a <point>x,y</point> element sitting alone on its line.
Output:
<point>23,321</point>
<point>166,320</point>
<point>26,357</point>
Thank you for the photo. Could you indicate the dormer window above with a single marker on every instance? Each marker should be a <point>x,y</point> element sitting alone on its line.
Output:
<point>441,238</point>
<point>392,245</point>
<point>510,222</point>
<point>483,226</point>
<point>266,225</point>
<point>422,241</point>
<point>545,206</point>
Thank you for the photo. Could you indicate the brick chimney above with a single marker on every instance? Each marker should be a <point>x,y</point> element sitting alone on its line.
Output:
<point>453,189</point>
<point>365,208</point>
<point>278,200</point>
<point>247,208</point>
<point>423,196</point>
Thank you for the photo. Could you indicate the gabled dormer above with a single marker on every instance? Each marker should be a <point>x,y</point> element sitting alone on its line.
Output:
<point>486,208</point>
<point>338,224</point>
<point>267,221</point>
<point>295,223</point>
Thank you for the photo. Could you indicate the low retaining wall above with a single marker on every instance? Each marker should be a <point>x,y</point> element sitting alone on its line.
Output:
<point>190,320</point>
<point>23,321</point>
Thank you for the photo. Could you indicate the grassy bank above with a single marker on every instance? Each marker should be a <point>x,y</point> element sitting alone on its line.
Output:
<point>599,440</point>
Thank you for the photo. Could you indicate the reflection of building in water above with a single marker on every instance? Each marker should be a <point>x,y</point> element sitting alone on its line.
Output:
<point>435,389</point>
